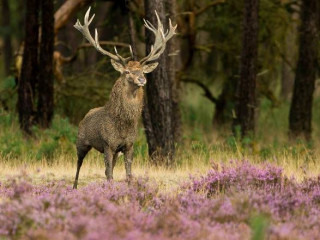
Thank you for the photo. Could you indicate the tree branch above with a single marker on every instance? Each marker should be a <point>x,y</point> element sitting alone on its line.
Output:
<point>73,57</point>
<point>207,92</point>
<point>66,11</point>
<point>117,44</point>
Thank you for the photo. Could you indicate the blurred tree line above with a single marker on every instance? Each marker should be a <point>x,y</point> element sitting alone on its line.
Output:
<point>251,48</point>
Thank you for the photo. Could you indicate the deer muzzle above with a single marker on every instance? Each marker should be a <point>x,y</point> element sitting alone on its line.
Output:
<point>142,81</point>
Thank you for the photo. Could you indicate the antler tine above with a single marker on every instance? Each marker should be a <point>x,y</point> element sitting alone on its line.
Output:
<point>161,39</point>
<point>172,32</point>
<point>160,26</point>
<point>131,52</point>
<point>86,16</point>
<point>124,60</point>
<point>148,25</point>
<point>84,29</point>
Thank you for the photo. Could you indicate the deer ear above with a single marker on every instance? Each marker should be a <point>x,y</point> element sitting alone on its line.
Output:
<point>117,66</point>
<point>149,67</point>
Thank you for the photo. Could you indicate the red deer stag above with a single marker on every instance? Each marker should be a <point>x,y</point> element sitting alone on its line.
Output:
<point>113,128</point>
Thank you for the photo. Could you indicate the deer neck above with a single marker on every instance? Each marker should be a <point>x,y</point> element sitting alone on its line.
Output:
<point>126,101</point>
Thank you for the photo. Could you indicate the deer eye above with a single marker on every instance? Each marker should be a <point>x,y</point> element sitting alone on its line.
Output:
<point>126,71</point>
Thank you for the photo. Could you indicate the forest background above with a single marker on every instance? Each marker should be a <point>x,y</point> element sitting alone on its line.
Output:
<point>242,79</point>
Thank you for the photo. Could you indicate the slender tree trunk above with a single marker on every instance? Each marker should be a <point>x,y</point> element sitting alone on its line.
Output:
<point>287,79</point>
<point>7,47</point>
<point>223,107</point>
<point>301,105</point>
<point>225,103</point>
<point>172,66</point>
<point>132,31</point>
<point>289,61</point>
<point>246,89</point>
<point>158,110</point>
<point>21,8</point>
<point>45,87</point>
<point>29,69</point>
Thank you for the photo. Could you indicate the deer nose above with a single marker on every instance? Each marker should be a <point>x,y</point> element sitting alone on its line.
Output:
<point>142,80</point>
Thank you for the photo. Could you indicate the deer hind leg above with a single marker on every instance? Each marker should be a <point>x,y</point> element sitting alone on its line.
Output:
<point>81,152</point>
<point>108,160</point>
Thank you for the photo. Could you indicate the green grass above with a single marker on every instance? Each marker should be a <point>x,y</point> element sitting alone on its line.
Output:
<point>53,150</point>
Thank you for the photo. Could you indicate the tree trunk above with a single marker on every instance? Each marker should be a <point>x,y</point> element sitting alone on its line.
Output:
<point>7,47</point>
<point>289,61</point>
<point>172,66</point>
<point>132,32</point>
<point>301,105</point>
<point>223,112</point>
<point>225,103</point>
<point>246,88</point>
<point>287,78</point>
<point>158,110</point>
<point>21,8</point>
<point>45,87</point>
<point>29,69</point>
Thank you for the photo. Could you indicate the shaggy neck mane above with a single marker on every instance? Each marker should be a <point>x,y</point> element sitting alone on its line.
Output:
<point>126,101</point>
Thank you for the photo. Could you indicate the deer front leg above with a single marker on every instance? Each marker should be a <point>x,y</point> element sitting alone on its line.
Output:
<point>108,160</point>
<point>114,161</point>
<point>128,158</point>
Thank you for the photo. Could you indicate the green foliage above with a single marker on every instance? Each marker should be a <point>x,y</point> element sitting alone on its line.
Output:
<point>84,91</point>
<point>232,143</point>
<point>47,150</point>
<point>197,111</point>
<point>11,142</point>
<point>44,144</point>
<point>259,225</point>
<point>141,147</point>
<point>8,93</point>
<point>11,145</point>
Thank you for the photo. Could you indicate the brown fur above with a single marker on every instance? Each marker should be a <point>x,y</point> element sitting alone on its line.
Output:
<point>112,128</point>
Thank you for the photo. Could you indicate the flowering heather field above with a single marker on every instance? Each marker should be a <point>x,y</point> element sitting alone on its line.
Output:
<point>238,202</point>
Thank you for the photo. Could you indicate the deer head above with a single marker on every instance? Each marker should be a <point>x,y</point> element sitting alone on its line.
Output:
<point>133,71</point>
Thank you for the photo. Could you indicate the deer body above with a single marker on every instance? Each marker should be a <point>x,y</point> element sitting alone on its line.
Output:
<point>114,124</point>
<point>113,128</point>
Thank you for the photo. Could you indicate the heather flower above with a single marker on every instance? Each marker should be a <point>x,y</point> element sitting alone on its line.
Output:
<point>219,205</point>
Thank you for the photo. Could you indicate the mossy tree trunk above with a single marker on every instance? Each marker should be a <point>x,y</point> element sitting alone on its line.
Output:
<point>301,105</point>
<point>246,88</point>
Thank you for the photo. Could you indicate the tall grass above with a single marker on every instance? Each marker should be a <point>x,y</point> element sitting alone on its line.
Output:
<point>201,144</point>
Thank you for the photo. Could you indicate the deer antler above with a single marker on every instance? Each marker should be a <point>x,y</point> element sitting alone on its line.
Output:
<point>84,29</point>
<point>161,39</point>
